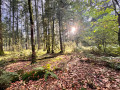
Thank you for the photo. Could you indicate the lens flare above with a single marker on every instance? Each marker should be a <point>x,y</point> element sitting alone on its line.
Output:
<point>73,29</point>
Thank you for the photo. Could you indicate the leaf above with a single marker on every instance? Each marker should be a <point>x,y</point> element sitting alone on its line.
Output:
<point>53,75</point>
<point>46,75</point>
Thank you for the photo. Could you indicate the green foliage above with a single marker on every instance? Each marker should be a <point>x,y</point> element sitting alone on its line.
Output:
<point>33,75</point>
<point>37,73</point>
<point>20,72</point>
<point>48,66</point>
<point>110,50</point>
<point>48,73</point>
<point>3,63</point>
<point>6,78</point>
<point>83,89</point>
<point>114,65</point>
<point>77,49</point>
<point>113,50</point>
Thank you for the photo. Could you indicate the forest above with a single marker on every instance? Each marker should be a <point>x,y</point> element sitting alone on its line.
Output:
<point>59,44</point>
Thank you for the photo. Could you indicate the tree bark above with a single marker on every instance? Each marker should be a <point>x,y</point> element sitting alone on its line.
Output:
<point>48,36</point>
<point>44,24</point>
<point>1,42</point>
<point>17,36</point>
<point>115,2</point>
<point>119,29</point>
<point>32,32</point>
<point>10,27</point>
<point>53,36</point>
<point>37,24</point>
<point>13,37</point>
<point>60,31</point>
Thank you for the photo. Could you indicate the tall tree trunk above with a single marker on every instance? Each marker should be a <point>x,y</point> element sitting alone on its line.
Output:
<point>119,29</point>
<point>13,36</point>
<point>27,36</point>
<point>21,35</point>
<point>60,31</point>
<point>37,23</point>
<point>53,36</point>
<point>17,34</point>
<point>115,4</point>
<point>48,36</point>
<point>1,42</point>
<point>26,31</point>
<point>43,24</point>
<point>10,27</point>
<point>32,32</point>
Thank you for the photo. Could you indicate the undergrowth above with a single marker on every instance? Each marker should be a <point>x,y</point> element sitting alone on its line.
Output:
<point>6,78</point>
<point>38,73</point>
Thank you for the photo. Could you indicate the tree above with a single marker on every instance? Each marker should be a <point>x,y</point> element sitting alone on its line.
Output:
<point>48,15</point>
<point>115,4</point>
<point>53,35</point>
<point>60,6</point>
<point>37,23</point>
<point>32,32</point>
<point>1,42</point>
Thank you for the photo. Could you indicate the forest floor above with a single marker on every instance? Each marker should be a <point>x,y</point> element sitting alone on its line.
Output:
<point>77,72</point>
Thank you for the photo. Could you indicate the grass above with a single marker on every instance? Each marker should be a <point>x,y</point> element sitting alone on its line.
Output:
<point>9,55</point>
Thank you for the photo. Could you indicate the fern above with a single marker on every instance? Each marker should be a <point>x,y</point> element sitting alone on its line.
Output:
<point>53,75</point>
<point>37,73</point>
<point>48,73</point>
<point>6,78</point>
<point>46,76</point>
<point>83,89</point>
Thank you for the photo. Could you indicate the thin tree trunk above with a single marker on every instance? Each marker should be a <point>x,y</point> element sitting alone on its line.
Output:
<point>27,36</point>
<point>43,24</point>
<point>37,23</point>
<point>10,27</point>
<point>13,37</point>
<point>17,36</point>
<point>53,36</point>
<point>1,42</point>
<point>115,4</point>
<point>48,37</point>
<point>60,31</point>
<point>21,36</point>
<point>26,31</point>
<point>119,29</point>
<point>32,32</point>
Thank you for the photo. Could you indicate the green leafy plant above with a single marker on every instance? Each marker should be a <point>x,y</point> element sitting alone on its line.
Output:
<point>3,63</point>
<point>48,73</point>
<point>114,65</point>
<point>6,78</point>
<point>83,89</point>
<point>37,73</point>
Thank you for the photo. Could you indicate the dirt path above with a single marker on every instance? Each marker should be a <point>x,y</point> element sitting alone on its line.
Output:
<point>75,75</point>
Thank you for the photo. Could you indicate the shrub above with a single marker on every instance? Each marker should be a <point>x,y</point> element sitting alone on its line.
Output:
<point>4,82</point>
<point>33,75</point>
<point>114,65</point>
<point>37,73</point>
<point>3,63</point>
<point>6,78</point>
<point>77,50</point>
